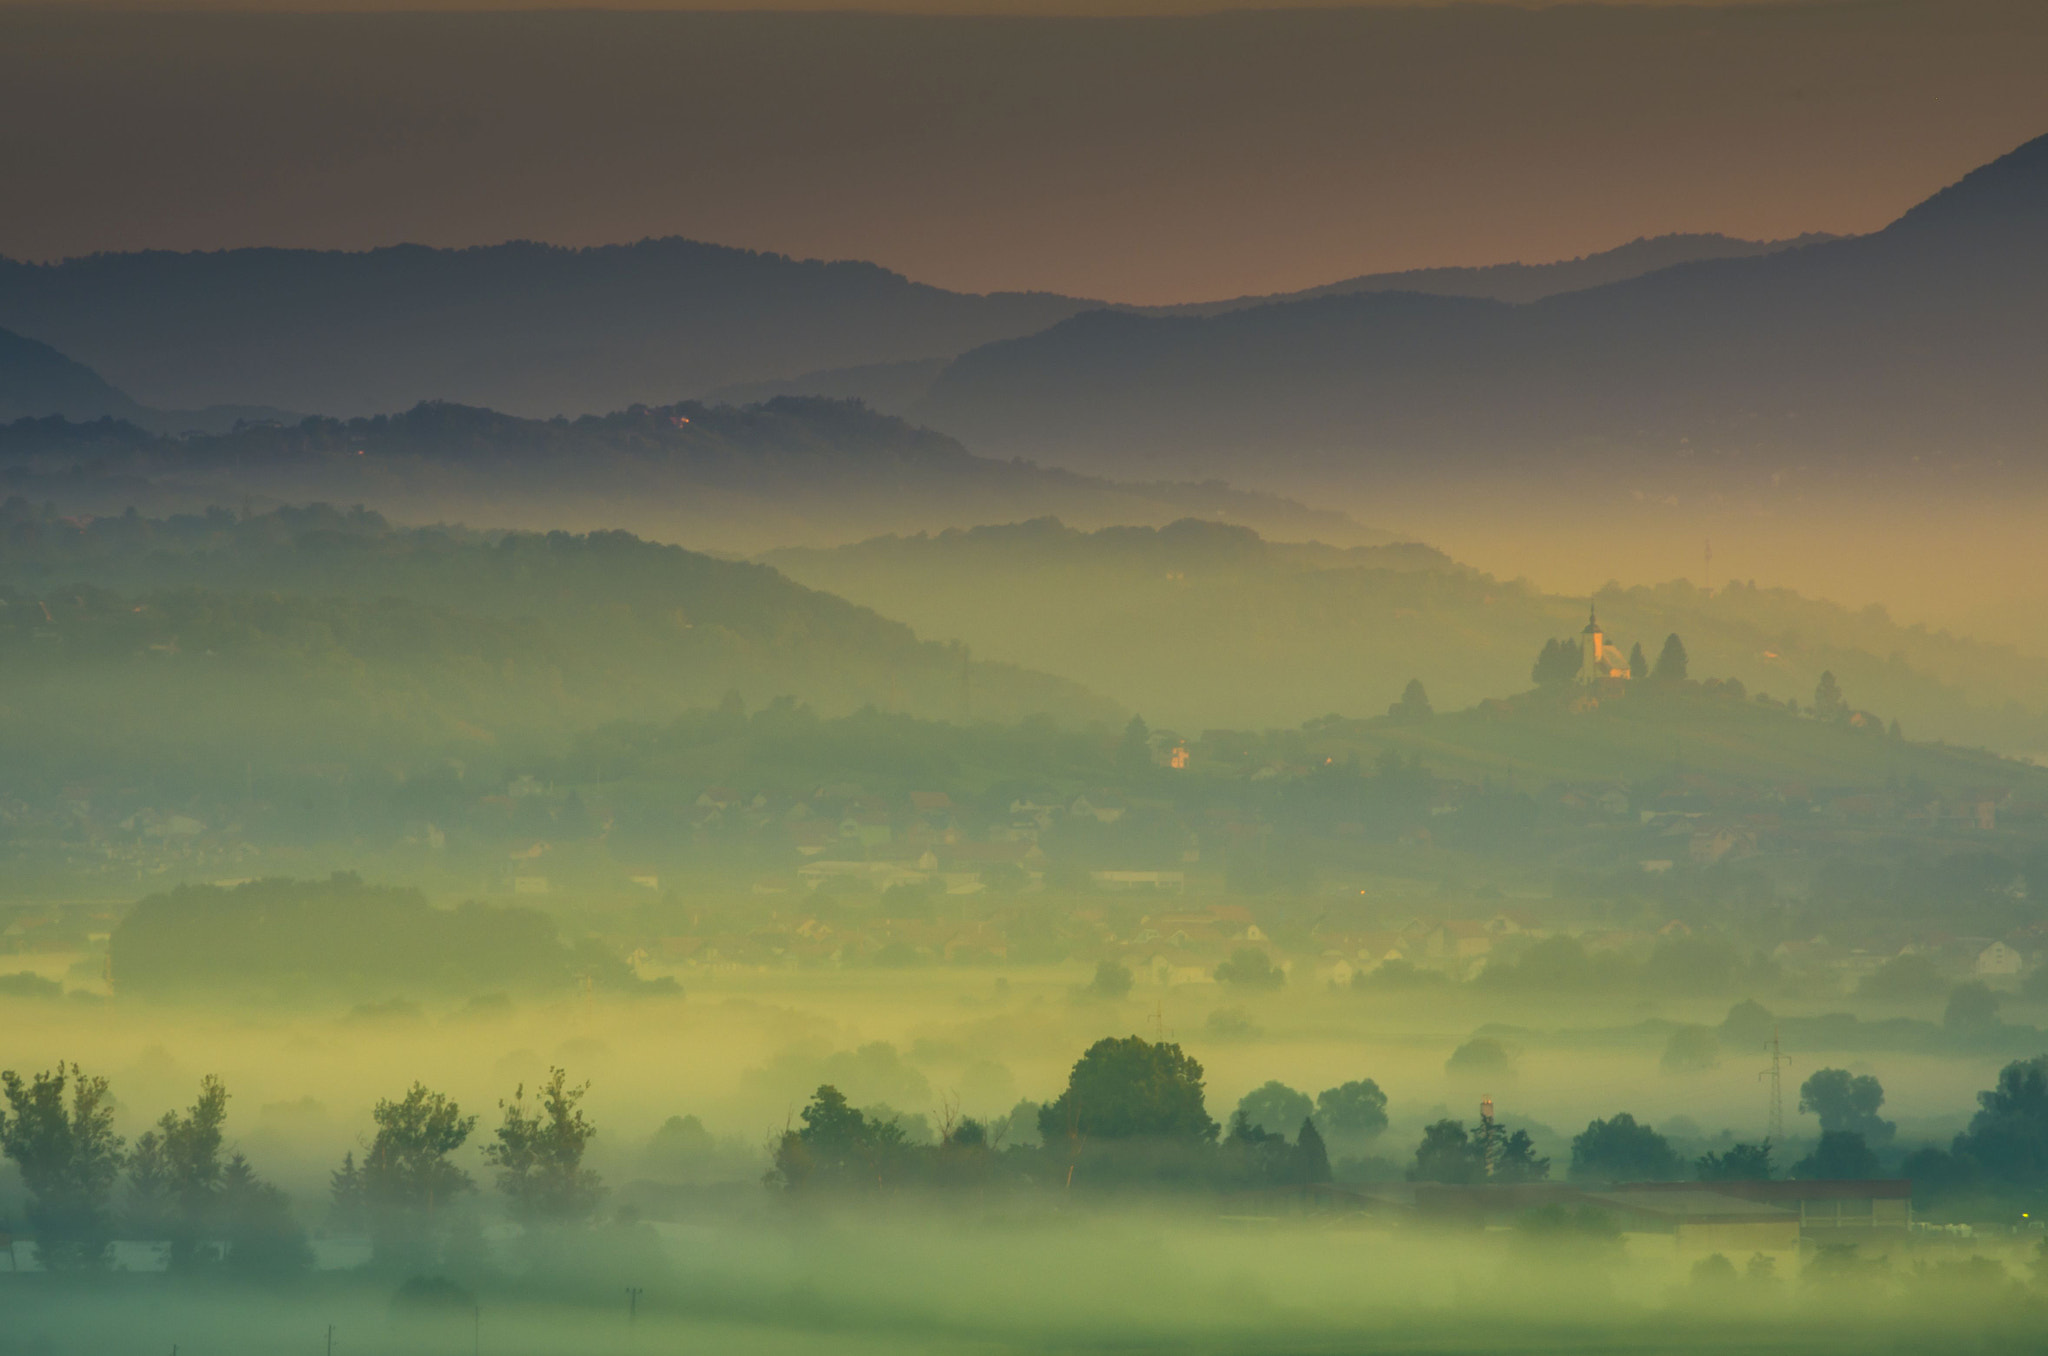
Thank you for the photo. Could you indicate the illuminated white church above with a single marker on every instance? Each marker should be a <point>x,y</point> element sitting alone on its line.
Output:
<point>1598,660</point>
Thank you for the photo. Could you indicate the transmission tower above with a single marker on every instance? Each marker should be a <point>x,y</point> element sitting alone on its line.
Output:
<point>1776,1074</point>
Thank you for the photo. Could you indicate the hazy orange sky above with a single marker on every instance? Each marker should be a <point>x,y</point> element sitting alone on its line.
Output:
<point>1132,158</point>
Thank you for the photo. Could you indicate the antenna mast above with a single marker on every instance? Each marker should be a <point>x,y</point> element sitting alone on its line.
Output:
<point>1776,1133</point>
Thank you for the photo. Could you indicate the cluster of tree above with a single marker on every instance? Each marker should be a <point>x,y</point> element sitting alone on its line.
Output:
<point>1133,1113</point>
<point>209,1210</point>
<point>284,937</point>
<point>2002,1155</point>
<point>405,1191</point>
<point>181,1186</point>
<point>1560,662</point>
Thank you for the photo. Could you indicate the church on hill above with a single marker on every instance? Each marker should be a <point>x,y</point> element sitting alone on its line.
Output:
<point>1598,660</point>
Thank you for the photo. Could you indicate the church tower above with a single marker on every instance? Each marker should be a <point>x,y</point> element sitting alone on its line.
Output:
<point>1592,650</point>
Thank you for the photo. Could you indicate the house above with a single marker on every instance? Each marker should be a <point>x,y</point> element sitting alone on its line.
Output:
<point>1998,960</point>
<point>1164,882</point>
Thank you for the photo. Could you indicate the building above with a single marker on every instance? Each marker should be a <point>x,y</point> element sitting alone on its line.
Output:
<point>1598,660</point>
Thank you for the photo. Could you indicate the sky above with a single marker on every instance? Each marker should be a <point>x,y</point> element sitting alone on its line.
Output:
<point>1145,159</point>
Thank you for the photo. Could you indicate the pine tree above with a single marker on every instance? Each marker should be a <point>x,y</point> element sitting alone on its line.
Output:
<point>1557,665</point>
<point>1828,703</point>
<point>1671,661</point>
<point>1414,703</point>
<point>1311,1157</point>
<point>1638,662</point>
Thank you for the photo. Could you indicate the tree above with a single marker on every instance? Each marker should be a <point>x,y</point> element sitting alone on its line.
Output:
<point>174,1175</point>
<point>1134,753</point>
<point>2008,1137</point>
<point>1274,1106</point>
<point>1671,660</point>
<point>1250,968</point>
<point>1446,1154</point>
<point>1827,699</point>
<point>1130,1088</point>
<point>69,1159</point>
<point>346,1211</point>
<point>1742,1163</point>
<point>837,1146</point>
<point>1557,665</point>
<point>1972,1009</point>
<point>256,1223</point>
<point>1449,1154</point>
<point>539,1154</point>
<point>1355,1110</point>
<point>1414,704</point>
<point>1846,1101</point>
<point>1311,1155</point>
<point>405,1173</point>
<point>1841,1155</point>
<point>1691,1049</point>
<point>1112,981</point>
<point>1515,1158</point>
<point>1638,662</point>
<point>1620,1150</point>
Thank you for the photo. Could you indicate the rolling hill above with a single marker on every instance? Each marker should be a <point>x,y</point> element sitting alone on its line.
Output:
<point>714,477</point>
<point>1200,625</point>
<point>314,636</point>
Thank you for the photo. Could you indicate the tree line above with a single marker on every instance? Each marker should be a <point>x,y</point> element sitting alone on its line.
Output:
<point>181,1187</point>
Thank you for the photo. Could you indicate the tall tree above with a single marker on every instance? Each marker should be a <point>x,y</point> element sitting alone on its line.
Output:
<point>1355,1110</point>
<point>1130,1088</point>
<point>1414,703</point>
<point>1556,665</point>
<point>407,1180</point>
<point>539,1153</point>
<point>1621,1150</point>
<point>1828,703</point>
<point>1134,752</point>
<point>1311,1155</point>
<point>1846,1101</point>
<point>1446,1154</point>
<point>256,1224</point>
<point>69,1158</point>
<point>179,1160</point>
<point>1274,1106</point>
<point>1671,660</point>
<point>1841,1155</point>
<point>1638,662</point>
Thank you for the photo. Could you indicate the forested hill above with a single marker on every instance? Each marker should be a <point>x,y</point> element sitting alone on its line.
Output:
<point>716,477</point>
<point>1200,625</point>
<point>315,635</point>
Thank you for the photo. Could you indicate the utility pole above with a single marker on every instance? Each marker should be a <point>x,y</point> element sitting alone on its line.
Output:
<point>330,1339</point>
<point>1776,1133</point>
<point>1489,1140</point>
<point>633,1293</point>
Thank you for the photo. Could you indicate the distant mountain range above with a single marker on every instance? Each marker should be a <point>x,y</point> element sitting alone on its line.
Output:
<point>1522,282</point>
<point>1929,337</point>
<point>531,329</point>
<point>538,331</point>
<point>713,477</point>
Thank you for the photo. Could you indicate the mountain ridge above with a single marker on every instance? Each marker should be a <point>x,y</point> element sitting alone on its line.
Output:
<point>1928,334</point>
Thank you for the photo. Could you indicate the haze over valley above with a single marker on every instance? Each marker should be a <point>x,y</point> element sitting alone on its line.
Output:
<point>967,681</point>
